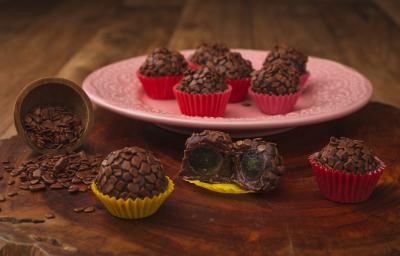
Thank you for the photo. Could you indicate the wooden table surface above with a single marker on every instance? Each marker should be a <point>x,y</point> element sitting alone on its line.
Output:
<point>72,38</point>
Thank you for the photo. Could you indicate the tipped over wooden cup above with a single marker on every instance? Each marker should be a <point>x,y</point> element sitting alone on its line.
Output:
<point>53,115</point>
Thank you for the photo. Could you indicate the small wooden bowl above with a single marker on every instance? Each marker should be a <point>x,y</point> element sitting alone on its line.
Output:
<point>54,92</point>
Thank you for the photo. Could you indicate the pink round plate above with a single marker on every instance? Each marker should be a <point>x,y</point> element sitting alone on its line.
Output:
<point>333,90</point>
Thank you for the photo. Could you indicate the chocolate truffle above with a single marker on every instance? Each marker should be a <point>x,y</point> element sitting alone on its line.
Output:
<point>231,66</point>
<point>163,62</point>
<point>258,165</point>
<point>208,157</point>
<point>275,79</point>
<point>202,81</point>
<point>347,155</point>
<point>131,172</point>
<point>205,51</point>
<point>288,54</point>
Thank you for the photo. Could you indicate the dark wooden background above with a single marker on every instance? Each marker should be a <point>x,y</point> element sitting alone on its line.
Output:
<point>72,38</point>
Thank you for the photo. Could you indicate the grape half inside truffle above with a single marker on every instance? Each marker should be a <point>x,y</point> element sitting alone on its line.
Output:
<point>252,164</point>
<point>205,159</point>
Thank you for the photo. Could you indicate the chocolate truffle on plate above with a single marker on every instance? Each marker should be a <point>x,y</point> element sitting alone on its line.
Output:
<point>289,54</point>
<point>231,66</point>
<point>347,155</point>
<point>205,51</point>
<point>131,172</point>
<point>160,72</point>
<point>275,79</point>
<point>163,62</point>
<point>201,81</point>
<point>258,165</point>
<point>202,92</point>
<point>208,157</point>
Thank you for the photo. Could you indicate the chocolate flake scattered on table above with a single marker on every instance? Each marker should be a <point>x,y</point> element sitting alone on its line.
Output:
<point>78,209</point>
<point>89,209</point>
<point>52,127</point>
<point>49,216</point>
<point>74,172</point>
<point>2,198</point>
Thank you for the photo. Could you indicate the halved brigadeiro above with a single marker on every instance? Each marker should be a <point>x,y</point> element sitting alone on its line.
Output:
<point>208,157</point>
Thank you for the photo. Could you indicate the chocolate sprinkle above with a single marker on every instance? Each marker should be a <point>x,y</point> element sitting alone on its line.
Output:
<point>205,51</point>
<point>275,79</point>
<point>202,81</point>
<point>231,66</point>
<point>131,172</point>
<point>347,155</point>
<point>163,62</point>
<point>289,55</point>
<point>52,127</point>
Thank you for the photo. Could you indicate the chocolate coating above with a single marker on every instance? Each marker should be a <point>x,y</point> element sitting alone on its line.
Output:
<point>258,165</point>
<point>276,79</point>
<point>131,173</point>
<point>202,81</point>
<point>163,62</point>
<point>231,66</point>
<point>205,51</point>
<point>347,155</point>
<point>208,157</point>
<point>289,54</point>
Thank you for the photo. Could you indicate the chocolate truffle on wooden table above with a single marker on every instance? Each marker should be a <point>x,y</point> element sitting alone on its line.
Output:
<point>231,66</point>
<point>131,172</point>
<point>275,79</point>
<point>346,170</point>
<point>347,155</point>
<point>163,62</point>
<point>202,81</point>
<point>205,51</point>
<point>208,157</point>
<point>288,54</point>
<point>258,165</point>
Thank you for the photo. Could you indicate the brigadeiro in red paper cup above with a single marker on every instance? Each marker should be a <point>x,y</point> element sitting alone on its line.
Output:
<point>204,52</point>
<point>236,71</point>
<point>291,56</point>
<point>275,88</point>
<point>160,72</point>
<point>346,170</point>
<point>202,92</point>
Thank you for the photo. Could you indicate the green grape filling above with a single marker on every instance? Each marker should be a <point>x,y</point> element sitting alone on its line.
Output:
<point>252,164</point>
<point>205,159</point>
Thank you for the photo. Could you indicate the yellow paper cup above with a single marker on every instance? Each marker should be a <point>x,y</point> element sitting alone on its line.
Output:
<point>226,188</point>
<point>133,209</point>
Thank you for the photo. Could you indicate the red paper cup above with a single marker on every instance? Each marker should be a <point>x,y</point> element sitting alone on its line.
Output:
<point>303,79</point>
<point>212,104</point>
<point>192,65</point>
<point>240,88</point>
<point>274,104</point>
<point>159,87</point>
<point>343,187</point>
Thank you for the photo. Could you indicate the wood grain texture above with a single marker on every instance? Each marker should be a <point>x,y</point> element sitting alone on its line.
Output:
<point>71,39</point>
<point>293,220</point>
